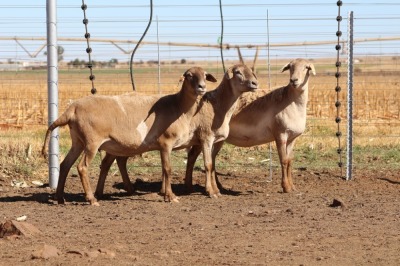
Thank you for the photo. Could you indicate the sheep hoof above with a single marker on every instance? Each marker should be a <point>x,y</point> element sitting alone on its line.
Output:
<point>175,200</point>
<point>60,200</point>
<point>288,189</point>
<point>95,204</point>
<point>214,196</point>
<point>171,198</point>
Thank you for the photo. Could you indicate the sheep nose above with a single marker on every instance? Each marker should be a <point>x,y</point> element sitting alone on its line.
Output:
<point>201,89</point>
<point>253,84</point>
<point>294,80</point>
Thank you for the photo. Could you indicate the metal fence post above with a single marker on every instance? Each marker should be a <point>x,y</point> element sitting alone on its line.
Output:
<point>52,89</point>
<point>350,98</point>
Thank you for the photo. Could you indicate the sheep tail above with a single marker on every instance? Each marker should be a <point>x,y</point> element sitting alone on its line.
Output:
<point>63,120</point>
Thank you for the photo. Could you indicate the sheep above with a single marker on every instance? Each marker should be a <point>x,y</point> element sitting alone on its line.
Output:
<point>130,124</point>
<point>262,117</point>
<point>209,116</point>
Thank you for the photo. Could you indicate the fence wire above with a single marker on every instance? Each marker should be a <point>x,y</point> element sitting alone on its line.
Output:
<point>376,113</point>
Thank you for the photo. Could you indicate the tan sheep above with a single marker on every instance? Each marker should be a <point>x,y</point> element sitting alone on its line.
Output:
<point>262,117</point>
<point>128,124</point>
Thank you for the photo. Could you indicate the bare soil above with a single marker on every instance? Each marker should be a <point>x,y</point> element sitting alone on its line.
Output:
<point>328,221</point>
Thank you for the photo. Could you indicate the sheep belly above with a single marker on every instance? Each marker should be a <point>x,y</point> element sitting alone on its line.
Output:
<point>247,136</point>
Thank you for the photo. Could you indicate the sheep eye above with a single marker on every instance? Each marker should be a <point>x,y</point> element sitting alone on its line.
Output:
<point>237,72</point>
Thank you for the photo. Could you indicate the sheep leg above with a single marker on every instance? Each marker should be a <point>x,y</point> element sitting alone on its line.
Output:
<point>192,157</point>
<point>169,196</point>
<point>290,164</point>
<point>208,165</point>
<point>283,158</point>
<point>162,190</point>
<point>83,166</point>
<point>122,163</point>
<point>65,166</point>
<point>104,168</point>
<point>215,182</point>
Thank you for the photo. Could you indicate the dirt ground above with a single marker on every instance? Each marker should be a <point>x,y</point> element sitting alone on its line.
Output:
<point>253,223</point>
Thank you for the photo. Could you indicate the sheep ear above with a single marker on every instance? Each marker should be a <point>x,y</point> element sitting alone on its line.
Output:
<point>312,68</point>
<point>286,67</point>
<point>229,73</point>
<point>210,77</point>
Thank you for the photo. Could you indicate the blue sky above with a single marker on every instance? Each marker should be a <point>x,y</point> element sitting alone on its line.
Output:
<point>245,22</point>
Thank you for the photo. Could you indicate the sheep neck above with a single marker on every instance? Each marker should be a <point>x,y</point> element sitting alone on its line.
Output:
<point>297,98</point>
<point>225,97</point>
<point>187,102</point>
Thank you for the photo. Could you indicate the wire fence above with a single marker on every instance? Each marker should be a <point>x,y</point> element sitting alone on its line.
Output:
<point>183,35</point>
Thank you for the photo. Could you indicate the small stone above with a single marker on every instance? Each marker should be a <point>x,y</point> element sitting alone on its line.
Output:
<point>10,228</point>
<point>337,203</point>
<point>92,254</point>
<point>107,252</point>
<point>26,229</point>
<point>37,183</point>
<point>22,218</point>
<point>46,252</point>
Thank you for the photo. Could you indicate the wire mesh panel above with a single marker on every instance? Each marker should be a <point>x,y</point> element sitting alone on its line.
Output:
<point>189,34</point>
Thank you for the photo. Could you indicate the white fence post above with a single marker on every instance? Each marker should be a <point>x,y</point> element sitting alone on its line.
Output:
<point>52,89</point>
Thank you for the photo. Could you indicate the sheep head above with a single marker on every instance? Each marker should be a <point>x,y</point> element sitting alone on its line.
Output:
<point>194,79</point>
<point>299,72</point>
<point>241,78</point>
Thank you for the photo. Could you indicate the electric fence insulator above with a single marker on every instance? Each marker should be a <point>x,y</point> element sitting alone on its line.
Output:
<point>88,49</point>
<point>338,64</point>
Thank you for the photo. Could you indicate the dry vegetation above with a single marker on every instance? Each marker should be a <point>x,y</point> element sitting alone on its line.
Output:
<point>376,94</point>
